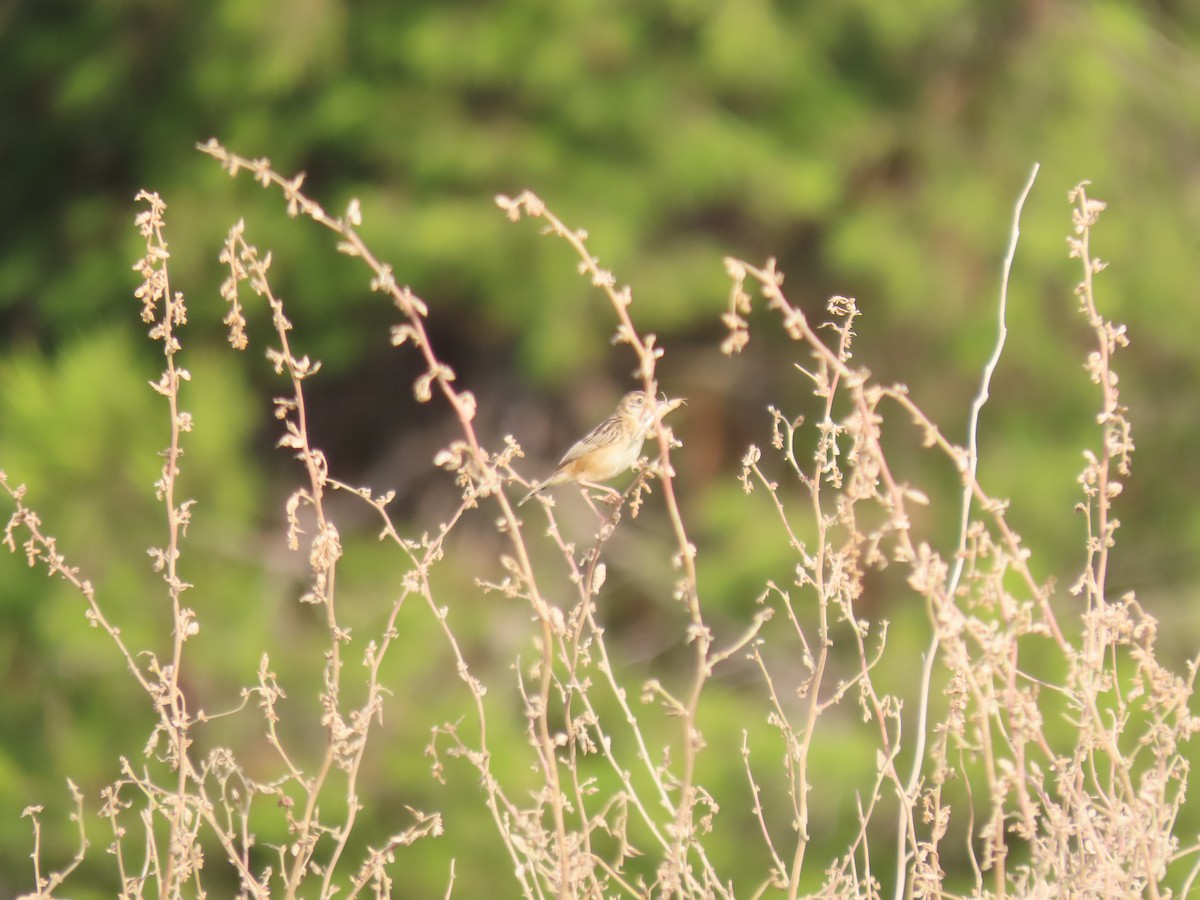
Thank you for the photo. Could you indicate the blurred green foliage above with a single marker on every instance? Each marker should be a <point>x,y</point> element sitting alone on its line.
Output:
<point>874,148</point>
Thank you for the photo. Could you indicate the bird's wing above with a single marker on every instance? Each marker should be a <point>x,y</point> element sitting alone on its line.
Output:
<point>599,436</point>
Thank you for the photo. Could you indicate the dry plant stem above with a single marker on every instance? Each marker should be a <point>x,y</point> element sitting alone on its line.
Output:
<point>585,614</point>
<point>46,886</point>
<point>1120,834</point>
<point>756,793</point>
<point>993,508</point>
<point>797,327</point>
<point>40,547</point>
<point>572,650</point>
<point>1117,445</point>
<point>981,398</point>
<point>164,311</point>
<point>324,563</point>
<point>698,633</point>
<point>819,570</point>
<point>864,400</point>
<point>803,788</point>
<point>418,579</point>
<point>167,694</point>
<point>482,469</point>
<point>477,467</point>
<point>833,369</point>
<point>173,313</point>
<point>604,664</point>
<point>244,260</point>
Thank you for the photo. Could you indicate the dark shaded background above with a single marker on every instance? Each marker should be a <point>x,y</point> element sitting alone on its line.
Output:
<point>874,148</point>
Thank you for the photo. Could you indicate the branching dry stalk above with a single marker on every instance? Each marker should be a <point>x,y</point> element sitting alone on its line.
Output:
<point>1066,787</point>
<point>676,871</point>
<point>981,631</point>
<point>186,804</point>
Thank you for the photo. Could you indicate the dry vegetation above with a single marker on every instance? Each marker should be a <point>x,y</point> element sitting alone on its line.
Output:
<point>1038,816</point>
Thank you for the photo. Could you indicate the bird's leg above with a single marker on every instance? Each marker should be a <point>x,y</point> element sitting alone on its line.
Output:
<point>610,495</point>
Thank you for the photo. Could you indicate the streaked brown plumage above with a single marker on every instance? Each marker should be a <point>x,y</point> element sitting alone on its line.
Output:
<point>611,447</point>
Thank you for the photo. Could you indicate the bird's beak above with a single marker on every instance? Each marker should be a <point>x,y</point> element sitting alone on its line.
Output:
<point>666,405</point>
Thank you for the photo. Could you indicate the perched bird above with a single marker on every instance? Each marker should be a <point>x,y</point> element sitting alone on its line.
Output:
<point>611,447</point>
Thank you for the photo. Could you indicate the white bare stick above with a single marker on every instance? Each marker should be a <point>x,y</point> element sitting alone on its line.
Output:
<point>956,573</point>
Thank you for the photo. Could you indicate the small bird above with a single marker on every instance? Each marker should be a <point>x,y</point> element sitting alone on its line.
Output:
<point>611,447</point>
